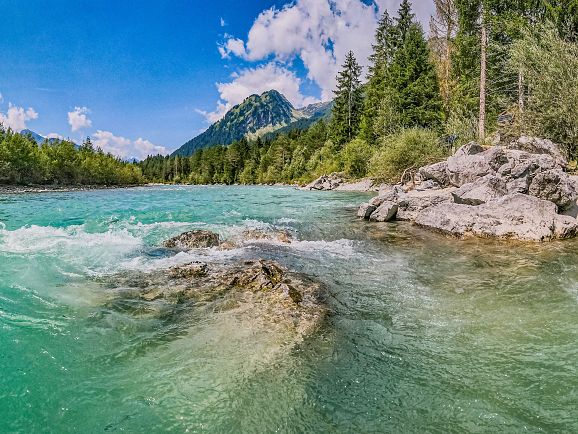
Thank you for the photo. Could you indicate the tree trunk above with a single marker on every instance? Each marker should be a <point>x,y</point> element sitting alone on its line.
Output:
<point>521,91</point>
<point>484,46</point>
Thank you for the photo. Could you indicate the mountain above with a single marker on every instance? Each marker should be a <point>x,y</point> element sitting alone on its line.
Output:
<point>37,137</point>
<point>256,116</point>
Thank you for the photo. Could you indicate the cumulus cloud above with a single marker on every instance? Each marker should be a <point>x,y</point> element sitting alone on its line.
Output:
<point>78,119</point>
<point>319,32</point>
<point>16,117</point>
<point>54,136</point>
<point>126,148</point>
<point>256,81</point>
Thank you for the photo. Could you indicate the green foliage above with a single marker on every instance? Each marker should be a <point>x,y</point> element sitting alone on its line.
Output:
<point>22,162</point>
<point>408,149</point>
<point>549,64</point>
<point>355,156</point>
<point>348,105</point>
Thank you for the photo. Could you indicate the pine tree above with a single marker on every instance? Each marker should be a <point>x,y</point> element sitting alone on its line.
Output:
<point>413,88</point>
<point>404,20</point>
<point>383,51</point>
<point>348,101</point>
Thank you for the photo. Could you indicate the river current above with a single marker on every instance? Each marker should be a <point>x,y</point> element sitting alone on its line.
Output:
<point>425,333</point>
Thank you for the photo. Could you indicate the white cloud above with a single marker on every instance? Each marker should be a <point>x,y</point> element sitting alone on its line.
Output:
<point>256,81</point>
<point>232,46</point>
<point>54,136</point>
<point>319,32</point>
<point>1,98</point>
<point>16,117</point>
<point>126,148</point>
<point>147,148</point>
<point>78,119</point>
<point>223,22</point>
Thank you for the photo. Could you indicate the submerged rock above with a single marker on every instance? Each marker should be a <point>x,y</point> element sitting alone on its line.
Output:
<point>259,290</point>
<point>275,235</point>
<point>193,240</point>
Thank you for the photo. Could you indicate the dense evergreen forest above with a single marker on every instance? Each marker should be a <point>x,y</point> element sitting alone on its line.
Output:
<point>23,162</point>
<point>490,70</point>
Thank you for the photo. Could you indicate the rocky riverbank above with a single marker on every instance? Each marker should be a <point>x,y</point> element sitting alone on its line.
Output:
<point>519,190</point>
<point>21,189</point>
<point>337,182</point>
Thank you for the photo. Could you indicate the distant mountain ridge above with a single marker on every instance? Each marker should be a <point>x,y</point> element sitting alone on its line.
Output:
<point>39,139</point>
<point>257,116</point>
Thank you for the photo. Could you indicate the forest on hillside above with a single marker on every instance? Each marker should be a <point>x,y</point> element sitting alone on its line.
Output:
<point>489,71</point>
<point>60,162</point>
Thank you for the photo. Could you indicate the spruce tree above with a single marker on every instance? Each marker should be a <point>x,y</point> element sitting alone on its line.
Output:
<point>413,83</point>
<point>348,104</point>
<point>404,20</point>
<point>383,51</point>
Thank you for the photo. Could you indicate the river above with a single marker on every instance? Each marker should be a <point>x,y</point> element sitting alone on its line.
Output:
<point>425,334</point>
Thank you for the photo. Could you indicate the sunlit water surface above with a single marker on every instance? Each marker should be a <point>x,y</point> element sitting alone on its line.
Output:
<point>425,334</point>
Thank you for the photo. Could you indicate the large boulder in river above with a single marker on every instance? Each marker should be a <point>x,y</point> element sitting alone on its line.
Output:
<point>534,145</point>
<point>193,240</point>
<point>555,186</point>
<point>483,190</point>
<point>385,212</point>
<point>516,216</point>
<point>413,202</point>
<point>365,210</point>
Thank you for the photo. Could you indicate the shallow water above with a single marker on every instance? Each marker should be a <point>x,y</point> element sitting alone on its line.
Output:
<point>425,334</point>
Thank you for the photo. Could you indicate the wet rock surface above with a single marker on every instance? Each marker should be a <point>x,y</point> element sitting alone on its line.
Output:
<point>194,239</point>
<point>256,290</point>
<point>516,191</point>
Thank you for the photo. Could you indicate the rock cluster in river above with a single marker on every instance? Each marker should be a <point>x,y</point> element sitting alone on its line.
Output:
<point>518,191</point>
<point>257,290</point>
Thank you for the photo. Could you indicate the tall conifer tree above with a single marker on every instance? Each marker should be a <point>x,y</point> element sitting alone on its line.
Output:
<point>348,101</point>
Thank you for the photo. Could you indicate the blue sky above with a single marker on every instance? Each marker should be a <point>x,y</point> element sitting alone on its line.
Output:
<point>144,76</point>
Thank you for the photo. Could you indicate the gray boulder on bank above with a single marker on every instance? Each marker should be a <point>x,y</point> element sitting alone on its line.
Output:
<point>515,191</point>
<point>386,212</point>
<point>517,216</point>
<point>326,182</point>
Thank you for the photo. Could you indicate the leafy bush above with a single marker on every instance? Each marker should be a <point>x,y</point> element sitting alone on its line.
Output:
<point>408,149</point>
<point>355,157</point>
<point>549,65</point>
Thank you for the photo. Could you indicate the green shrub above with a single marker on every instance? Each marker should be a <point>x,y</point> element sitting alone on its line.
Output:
<point>408,149</point>
<point>355,157</point>
<point>549,65</point>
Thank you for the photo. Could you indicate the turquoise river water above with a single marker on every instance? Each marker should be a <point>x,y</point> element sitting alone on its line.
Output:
<point>425,334</point>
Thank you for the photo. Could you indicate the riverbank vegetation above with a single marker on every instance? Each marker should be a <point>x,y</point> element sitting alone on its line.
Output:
<point>61,162</point>
<point>489,71</point>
